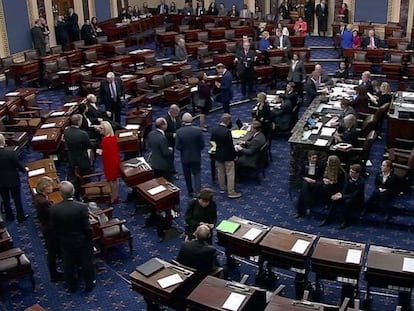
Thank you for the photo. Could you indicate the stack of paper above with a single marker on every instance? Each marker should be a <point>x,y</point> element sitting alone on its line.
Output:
<point>228,226</point>
<point>353,256</point>
<point>170,280</point>
<point>300,246</point>
<point>234,301</point>
<point>252,234</point>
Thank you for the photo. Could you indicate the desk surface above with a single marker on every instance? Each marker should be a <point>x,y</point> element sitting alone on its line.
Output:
<point>135,175</point>
<point>212,293</point>
<point>163,200</point>
<point>278,303</point>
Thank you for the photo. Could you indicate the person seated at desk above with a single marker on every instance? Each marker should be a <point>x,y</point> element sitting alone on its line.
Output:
<point>342,72</point>
<point>361,100</point>
<point>350,198</point>
<point>282,42</point>
<point>311,173</point>
<point>249,151</point>
<point>263,114</point>
<point>385,95</point>
<point>290,94</point>
<point>198,254</point>
<point>87,125</point>
<point>372,41</point>
<point>96,116</point>
<point>366,81</point>
<point>124,15</point>
<point>324,79</point>
<point>386,187</point>
<point>245,12</point>
<point>311,88</point>
<point>187,10</point>
<point>94,23</point>
<point>180,52</point>
<point>347,109</point>
<point>300,27</point>
<point>283,115</point>
<point>264,43</point>
<point>347,134</point>
<point>233,12</point>
<point>356,41</point>
<point>201,211</point>
<point>212,8</point>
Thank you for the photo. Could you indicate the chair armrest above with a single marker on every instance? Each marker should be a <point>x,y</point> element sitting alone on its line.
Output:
<point>99,174</point>
<point>99,184</point>
<point>279,290</point>
<point>29,112</point>
<point>107,211</point>
<point>14,252</point>
<point>111,223</point>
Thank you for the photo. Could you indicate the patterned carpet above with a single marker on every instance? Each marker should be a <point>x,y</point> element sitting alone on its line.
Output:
<point>268,203</point>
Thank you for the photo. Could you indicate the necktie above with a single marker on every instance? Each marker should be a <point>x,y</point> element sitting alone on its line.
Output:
<point>372,42</point>
<point>245,52</point>
<point>113,91</point>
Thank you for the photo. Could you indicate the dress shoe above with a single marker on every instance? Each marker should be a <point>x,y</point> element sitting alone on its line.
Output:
<point>90,286</point>
<point>298,215</point>
<point>323,223</point>
<point>57,277</point>
<point>234,195</point>
<point>343,225</point>
<point>20,220</point>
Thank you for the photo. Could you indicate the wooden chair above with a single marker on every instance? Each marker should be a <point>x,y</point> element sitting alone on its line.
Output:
<point>32,104</point>
<point>90,56</point>
<point>110,231</point>
<point>50,73</point>
<point>403,164</point>
<point>360,63</point>
<point>5,68</point>
<point>77,44</point>
<point>93,191</point>
<point>119,48</point>
<point>56,49</point>
<point>14,264</point>
<point>6,241</point>
<point>30,55</point>
<point>204,57</point>
<point>261,163</point>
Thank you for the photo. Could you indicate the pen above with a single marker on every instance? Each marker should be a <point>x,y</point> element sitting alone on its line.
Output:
<point>258,225</point>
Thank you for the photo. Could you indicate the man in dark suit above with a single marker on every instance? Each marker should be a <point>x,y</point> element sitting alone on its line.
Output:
<point>372,41</point>
<point>88,33</point>
<point>249,151</point>
<point>309,8</point>
<point>189,141</point>
<point>73,26</point>
<point>198,254</point>
<point>162,8</point>
<point>162,155</point>
<point>311,88</point>
<point>187,10</point>
<point>38,38</point>
<point>282,116</point>
<point>110,92</point>
<point>282,42</point>
<point>78,144</point>
<point>321,12</point>
<point>70,222</point>
<point>10,182</point>
<point>225,156</point>
<point>366,81</point>
<point>225,86</point>
<point>96,116</point>
<point>290,94</point>
<point>349,199</point>
<point>297,74</point>
<point>311,173</point>
<point>386,188</point>
<point>173,124</point>
<point>245,58</point>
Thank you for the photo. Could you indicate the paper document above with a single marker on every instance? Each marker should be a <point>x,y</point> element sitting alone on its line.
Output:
<point>57,114</point>
<point>238,133</point>
<point>170,280</point>
<point>2,102</point>
<point>408,264</point>
<point>39,171</point>
<point>90,65</point>
<point>353,256</point>
<point>48,125</point>
<point>300,246</point>
<point>13,94</point>
<point>228,226</point>
<point>126,134</point>
<point>328,131</point>
<point>234,301</point>
<point>132,126</point>
<point>252,234</point>
<point>40,137</point>
<point>63,72</point>
<point>157,190</point>
<point>321,142</point>
<point>70,104</point>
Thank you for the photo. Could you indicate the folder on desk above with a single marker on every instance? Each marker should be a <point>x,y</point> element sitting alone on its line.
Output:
<point>150,267</point>
<point>228,226</point>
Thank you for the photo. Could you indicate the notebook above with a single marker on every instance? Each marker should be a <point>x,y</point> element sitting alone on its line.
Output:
<point>150,267</point>
<point>228,226</point>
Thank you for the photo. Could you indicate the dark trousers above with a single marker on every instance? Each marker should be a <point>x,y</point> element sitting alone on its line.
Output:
<point>75,256</point>
<point>381,200</point>
<point>342,209</point>
<point>247,82</point>
<point>167,174</point>
<point>15,193</point>
<point>192,171</point>
<point>52,248</point>
<point>116,113</point>
<point>306,197</point>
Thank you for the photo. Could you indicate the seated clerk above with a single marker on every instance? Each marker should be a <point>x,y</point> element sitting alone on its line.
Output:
<point>311,173</point>
<point>290,94</point>
<point>350,198</point>
<point>342,72</point>
<point>96,116</point>
<point>361,101</point>
<point>86,125</point>
<point>282,117</point>
<point>197,253</point>
<point>384,95</point>
<point>263,114</point>
<point>347,109</point>
<point>372,41</point>
<point>386,187</point>
<point>249,151</point>
<point>180,52</point>
<point>201,211</point>
<point>311,88</point>
<point>347,134</point>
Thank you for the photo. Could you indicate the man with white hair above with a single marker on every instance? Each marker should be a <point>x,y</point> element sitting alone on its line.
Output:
<point>189,141</point>
<point>110,92</point>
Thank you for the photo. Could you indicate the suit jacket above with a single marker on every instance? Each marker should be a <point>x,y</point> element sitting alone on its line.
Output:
<point>43,206</point>
<point>368,86</point>
<point>195,214</point>
<point>197,255</point>
<point>161,154</point>
<point>350,136</point>
<point>105,97</point>
<point>298,74</point>
<point>250,153</point>
<point>321,14</point>
<point>73,25</point>
<point>187,11</point>
<point>78,143</point>
<point>38,38</point>
<point>354,190</point>
<point>189,141</point>
<point>390,184</point>
<point>319,170</point>
<point>172,127</point>
<point>292,96</point>
<point>225,151</point>
<point>9,166</point>
<point>367,42</point>
<point>311,91</point>
<point>165,8</point>
<point>180,53</point>
<point>226,87</point>
<point>88,34</point>
<point>245,62</point>
<point>285,42</point>
<point>283,115</point>
<point>70,222</point>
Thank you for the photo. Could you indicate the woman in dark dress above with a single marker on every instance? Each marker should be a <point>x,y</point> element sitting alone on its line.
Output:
<point>360,103</point>
<point>385,94</point>
<point>263,114</point>
<point>333,179</point>
<point>204,93</point>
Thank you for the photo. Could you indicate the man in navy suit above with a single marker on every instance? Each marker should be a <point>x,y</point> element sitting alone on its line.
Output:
<point>311,88</point>
<point>73,25</point>
<point>225,86</point>
<point>110,92</point>
<point>283,115</point>
<point>162,8</point>
<point>372,41</point>
<point>249,151</point>
<point>245,58</point>
<point>189,141</point>
<point>10,182</point>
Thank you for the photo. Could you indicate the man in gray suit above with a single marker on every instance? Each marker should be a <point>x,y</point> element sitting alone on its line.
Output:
<point>249,151</point>
<point>38,38</point>
<point>189,141</point>
<point>162,156</point>
<point>282,42</point>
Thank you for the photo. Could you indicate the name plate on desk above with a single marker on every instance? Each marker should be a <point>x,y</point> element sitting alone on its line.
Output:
<point>157,190</point>
<point>40,137</point>
<point>36,172</point>
<point>170,280</point>
<point>234,301</point>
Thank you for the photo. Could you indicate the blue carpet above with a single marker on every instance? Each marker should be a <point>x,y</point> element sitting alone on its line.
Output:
<point>268,203</point>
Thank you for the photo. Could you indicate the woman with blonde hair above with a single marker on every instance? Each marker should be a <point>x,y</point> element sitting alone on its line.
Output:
<point>110,158</point>
<point>384,96</point>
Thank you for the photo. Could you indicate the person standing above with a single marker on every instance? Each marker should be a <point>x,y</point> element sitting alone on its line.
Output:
<point>110,158</point>
<point>88,33</point>
<point>322,16</point>
<point>61,32</point>
<point>189,141</point>
<point>44,187</point>
<point>10,182</point>
<point>70,223</point>
<point>204,94</point>
<point>245,58</point>
<point>309,11</point>
<point>225,86</point>
<point>162,8</point>
<point>38,38</point>
<point>297,74</point>
<point>110,92</point>
<point>225,156</point>
<point>46,33</point>
<point>73,26</point>
<point>173,124</point>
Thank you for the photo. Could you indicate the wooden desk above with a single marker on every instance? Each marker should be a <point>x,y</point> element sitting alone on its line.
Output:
<point>216,33</point>
<point>166,39</point>
<point>236,244</point>
<point>128,140</point>
<point>129,82</point>
<point>58,122</point>
<point>141,116</point>
<point>331,260</point>
<point>149,72</point>
<point>400,122</point>
<point>126,60</point>
<point>212,293</point>
<point>278,303</point>
<point>191,34</point>
<point>173,67</point>
<point>70,77</point>
<point>48,140</point>
<point>134,176</point>
<point>28,69</point>
<point>162,201</point>
<point>173,296</point>
<point>98,68</point>
<point>218,45</point>
<point>109,46</point>
<point>192,47</point>
<point>40,168</point>
<point>224,58</point>
<point>138,56</point>
<point>177,93</point>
